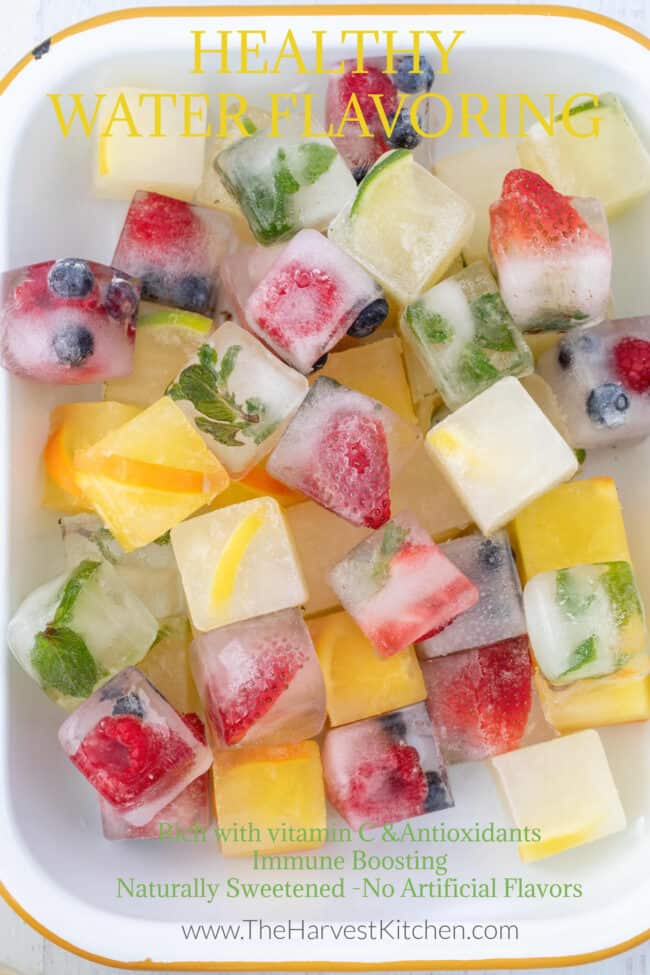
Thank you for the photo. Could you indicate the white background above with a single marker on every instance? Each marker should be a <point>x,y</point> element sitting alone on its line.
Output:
<point>24,24</point>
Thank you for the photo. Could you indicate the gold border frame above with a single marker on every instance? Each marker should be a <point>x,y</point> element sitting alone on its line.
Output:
<point>302,10</point>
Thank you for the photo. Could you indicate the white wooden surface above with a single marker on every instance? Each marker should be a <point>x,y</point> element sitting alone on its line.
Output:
<point>28,23</point>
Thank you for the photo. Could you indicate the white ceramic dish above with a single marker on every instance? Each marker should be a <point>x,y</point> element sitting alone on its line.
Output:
<point>55,867</point>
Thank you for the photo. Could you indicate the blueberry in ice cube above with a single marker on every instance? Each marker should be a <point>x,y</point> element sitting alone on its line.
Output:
<point>129,704</point>
<point>607,405</point>
<point>194,293</point>
<point>153,286</point>
<point>359,172</point>
<point>437,796</point>
<point>369,318</point>
<point>73,344</point>
<point>564,355</point>
<point>404,135</point>
<point>121,299</point>
<point>490,554</point>
<point>71,278</point>
<point>320,362</point>
<point>394,725</point>
<point>421,80</point>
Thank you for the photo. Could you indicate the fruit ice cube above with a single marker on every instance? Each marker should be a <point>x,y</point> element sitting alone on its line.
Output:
<point>75,631</point>
<point>134,748</point>
<point>564,788</point>
<point>498,615</point>
<point>551,253</point>
<point>310,297</point>
<point>212,191</point>
<point>480,449</point>
<point>238,562</point>
<point>167,665</point>
<point>359,683</point>
<point>434,224</point>
<point>477,175</point>
<point>575,523</point>
<point>124,158</point>
<point>464,335</point>
<point>594,703</point>
<point>285,183</point>
<point>399,586</point>
<point>149,474</point>
<point>586,621</point>
<point>165,339</point>
<point>278,789</point>
<point>611,164</point>
<point>67,321</point>
<point>386,769</point>
<point>480,700</point>
<point>190,809</point>
<point>362,145</point>
<point>341,449</point>
<point>376,369</point>
<point>260,681</point>
<point>238,396</point>
<point>175,249</point>
<point>601,379</point>
<point>74,426</point>
<point>150,572</point>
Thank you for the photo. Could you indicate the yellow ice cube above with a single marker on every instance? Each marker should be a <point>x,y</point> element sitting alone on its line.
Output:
<point>595,703</point>
<point>274,794</point>
<point>149,474</point>
<point>358,682</point>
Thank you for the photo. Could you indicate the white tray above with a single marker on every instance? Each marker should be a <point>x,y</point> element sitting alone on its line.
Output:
<point>56,869</point>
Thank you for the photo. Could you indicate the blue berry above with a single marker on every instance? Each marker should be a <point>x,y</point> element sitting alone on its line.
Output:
<point>73,344</point>
<point>359,172</point>
<point>394,725</point>
<point>421,81</point>
<point>71,278</point>
<point>607,405</point>
<point>490,554</point>
<point>121,299</point>
<point>437,796</point>
<point>564,355</point>
<point>404,135</point>
<point>153,286</point>
<point>129,704</point>
<point>369,319</point>
<point>320,362</point>
<point>194,293</point>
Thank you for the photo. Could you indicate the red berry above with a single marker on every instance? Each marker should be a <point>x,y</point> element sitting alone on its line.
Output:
<point>373,82</point>
<point>196,726</point>
<point>153,218</point>
<point>632,361</point>
<point>351,474</point>
<point>123,757</point>
<point>270,675</point>
<point>298,302</point>
<point>388,786</point>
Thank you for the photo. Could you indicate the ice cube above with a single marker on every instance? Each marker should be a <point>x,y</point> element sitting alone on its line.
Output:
<point>498,615</point>
<point>563,789</point>
<point>67,321</point>
<point>150,572</point>
<point>212,191</point>
<point>175,249</point>
<point>464,336</point>
<point>190,810</point>
<point>601,379</point>
<point>480,700</point>
<point>385,769</point>
<point>260,681</point>
<point>499,453</point>
<point>341,449</point>
<point>236,563</point>
<point>238,396</point>
<point>133,747</point>
<point>586,622</point>
<point>310,297</point>
<point>404,226</point>
<point>241,273</point>
<point>167,665</point>
<point>551,253</point>
<point>399,586</point>
<point>594,703</point>
<point>286,182</point>
<point>75,631</point>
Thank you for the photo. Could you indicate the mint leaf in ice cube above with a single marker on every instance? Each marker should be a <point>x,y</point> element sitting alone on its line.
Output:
<point>584,653</point>
<point>618,582</point>
<point>492,318</point>
<point>392,539</point>
<point>475,369</point>
<point>84,571</point>
<point>568,595</point>
<point>313,160</point>
<point>63,662</point>
<point>427,326</point>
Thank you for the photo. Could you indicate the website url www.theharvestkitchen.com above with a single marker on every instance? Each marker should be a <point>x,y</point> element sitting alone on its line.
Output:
<point>252,929</point>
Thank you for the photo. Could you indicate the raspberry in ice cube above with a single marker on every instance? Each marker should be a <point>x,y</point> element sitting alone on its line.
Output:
<point>385,769</point>
<point>134,748</point>
<point>260,681</point>
<point>399,586</point>
<point>175,249</point>
<point>341,449</point>
<point>498,615</point>
<point>479,700</point>
<point>68,321</point>
<point>310,297</point>
<point>552,254</point>
<point>601,380</point>
<point>190,810</point>
<point>238,396</point>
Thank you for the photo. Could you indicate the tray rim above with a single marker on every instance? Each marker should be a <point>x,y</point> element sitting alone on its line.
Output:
<point>306,10</point>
